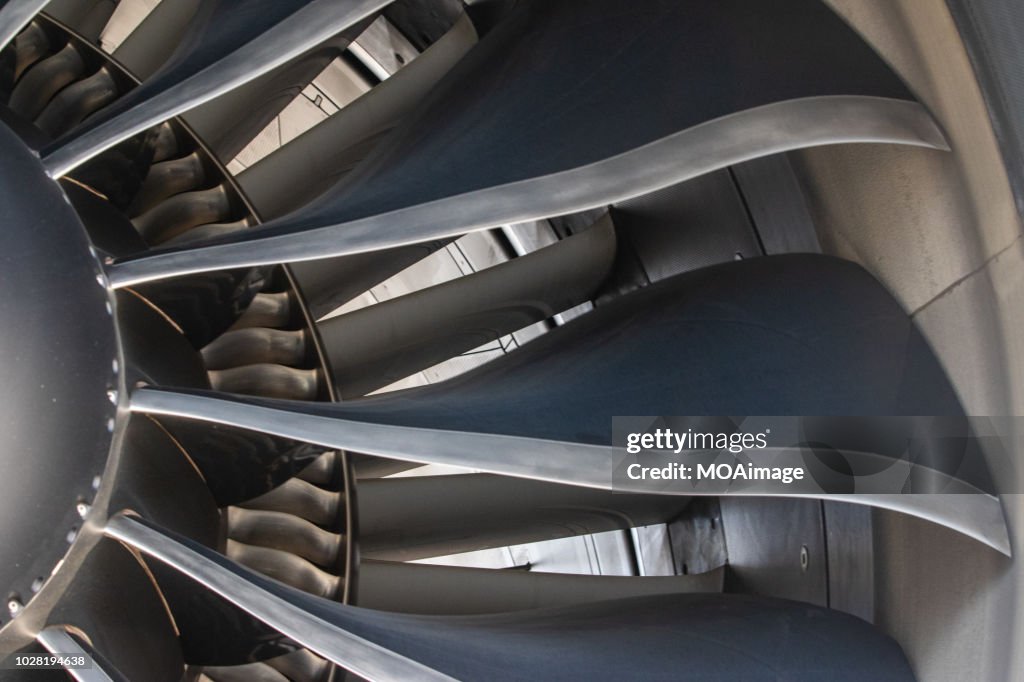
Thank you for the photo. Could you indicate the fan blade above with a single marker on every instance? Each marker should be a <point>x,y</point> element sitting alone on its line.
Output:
<point>382,343</point>
<point>716,637</point>
<point>794,334</point>
<point>15,15</point>
<point>228,123</point>
<point>976,515</point>
<point>307,166</point>
<point>297,172</point>
<point>76,102</point>
<point>250,592</point>
<point>125,620</point>
<point>682,156</point>
<point>156,37</point>
<point>408,518</point>
<point>456,590</point>
<point>238,464</point>
<point>329,283</point>
<point>233,42</point>
<point>500,141</point>
<point>57,641</point>
<point>87,18</point>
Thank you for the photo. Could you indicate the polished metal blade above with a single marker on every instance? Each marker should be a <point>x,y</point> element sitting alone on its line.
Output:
<point>309,25</point>
<point>732,139</point>
<point>239,586</point>
<point>15,15</point>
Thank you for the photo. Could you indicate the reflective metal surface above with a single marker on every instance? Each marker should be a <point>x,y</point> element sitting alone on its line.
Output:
<point>362,657</point>
<point>307,25</point>
<point>687,154</point>
<point>14,15</point>
<point>55,296</point>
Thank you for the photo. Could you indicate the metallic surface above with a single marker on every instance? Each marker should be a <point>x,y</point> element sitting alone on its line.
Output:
<point>702,632</point>
<point>357,654</point>
<point>182,212</point>
<point>253,345</point>
<point>415,517</point>
<point>15,15</point>
<point>286,532</point>
<point>276,381</point>
<point>239,465</point>
<point>302,499</point>
<point>56,296</point>
<point>944,235</point>
<point>304,27</point>
<point>300,170</point>
<point>286,567</point>
<point>776,547</point>
<point>975,515</point>
<point>382,343</point>
<point>58,641</point>
<point>474,421</point>
<point>427,589</point>
<point>167,178</point>
<point>722,142</point>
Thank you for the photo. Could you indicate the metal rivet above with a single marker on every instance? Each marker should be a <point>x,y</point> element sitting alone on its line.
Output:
<point>114,365</point>
<point>805,558</point>
<point>14,607</point>
<point>95,482</point>
<point>37,585</point>
<point>72,534</point>
<point>112,395</point>
<point>110,425</point>
<point>83,509</point>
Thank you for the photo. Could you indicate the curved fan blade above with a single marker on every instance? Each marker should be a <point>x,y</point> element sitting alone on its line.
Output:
<point>229,122</point>
<point>58,641</point>
<point>648,637</point>
<point>679,157</point>
<point>308,165</point>
<point>156,37</point>
<point>15,15</point>
<point>250,592</point>
<point>382,343</point>
<point>773,335</point>
<point>239,465</point>
<point>297,172</point>
<point>500,141</point>
<point>126,620</point>
<point>408,518</point>
<point>87,18</point>
<point>230,42</point>
<point>453,590</point>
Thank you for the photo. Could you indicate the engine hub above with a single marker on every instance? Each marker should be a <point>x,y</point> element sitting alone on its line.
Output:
<point>59,365</point>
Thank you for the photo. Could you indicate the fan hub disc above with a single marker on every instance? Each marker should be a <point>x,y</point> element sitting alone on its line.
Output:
<point>58,369</point>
